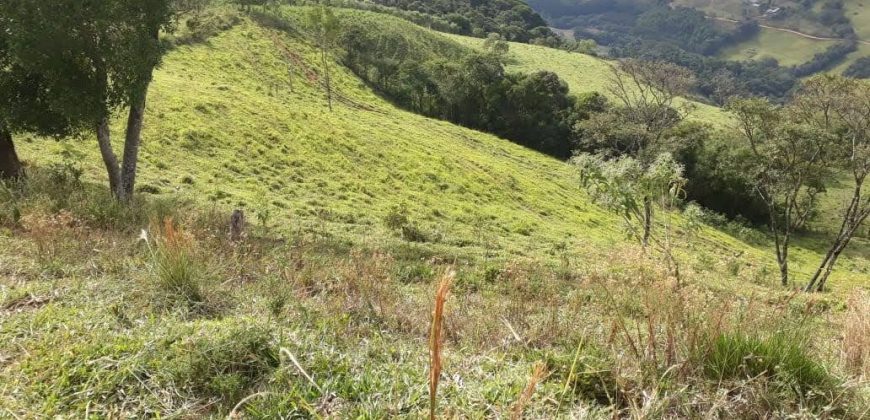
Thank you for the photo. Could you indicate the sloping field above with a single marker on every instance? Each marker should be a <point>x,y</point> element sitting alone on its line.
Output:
<point>324,310</point>
<point>242,121</point>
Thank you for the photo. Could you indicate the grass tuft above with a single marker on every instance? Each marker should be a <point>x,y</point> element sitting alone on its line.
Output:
<point>856,335</point>
<point>179,272</point>
<point>780,357</point>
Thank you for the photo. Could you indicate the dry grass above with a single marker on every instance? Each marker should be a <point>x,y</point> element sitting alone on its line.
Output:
<point>539,372</point>
<point>856,335</point>
<point>435,339</point>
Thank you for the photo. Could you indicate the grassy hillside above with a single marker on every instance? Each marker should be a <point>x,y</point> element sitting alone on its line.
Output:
<point>243,122</point>
<point>323,310</point>
<point>858,11</point>
<point>734,9</point>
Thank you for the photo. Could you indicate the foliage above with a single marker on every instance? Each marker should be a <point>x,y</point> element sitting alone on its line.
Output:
<point>860,69</point>
<point>512,19</point>
<point>625,185</point>
<point>685,27</point>
<point>827,59</point>
<point>105,63</point>
<point>718,179</point>
<point>788,166</point>
<point>840,109</point>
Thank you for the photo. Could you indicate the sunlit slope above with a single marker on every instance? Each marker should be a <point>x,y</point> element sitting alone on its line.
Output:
<point>583,73</point>
<point>227,122</point>
<point>242,121</point>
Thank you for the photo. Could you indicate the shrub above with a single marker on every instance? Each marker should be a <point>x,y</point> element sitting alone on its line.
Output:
<point>396,218</point>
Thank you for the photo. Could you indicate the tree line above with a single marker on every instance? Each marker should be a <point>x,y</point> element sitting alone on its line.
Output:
<point>641,155</point>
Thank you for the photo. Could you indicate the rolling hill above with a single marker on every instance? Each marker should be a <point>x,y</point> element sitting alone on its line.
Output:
<point>242,121</point>
<point>324,309</point>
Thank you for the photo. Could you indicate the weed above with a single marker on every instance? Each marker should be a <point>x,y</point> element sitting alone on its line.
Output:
<point>780,356</point>
<point>221,362</point>
<point>539,372</point>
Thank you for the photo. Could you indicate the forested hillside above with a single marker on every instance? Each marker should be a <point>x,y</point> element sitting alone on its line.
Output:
<point>512,19</point>
<point>763,58</point>
<point>327,212</point>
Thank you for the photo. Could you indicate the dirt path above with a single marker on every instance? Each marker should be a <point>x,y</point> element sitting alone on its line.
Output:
<point>791,31</point>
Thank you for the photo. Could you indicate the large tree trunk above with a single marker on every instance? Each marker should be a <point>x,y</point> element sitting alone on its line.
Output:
<point>10,166</point>
<point>104,138</point>
<point>132,141</point>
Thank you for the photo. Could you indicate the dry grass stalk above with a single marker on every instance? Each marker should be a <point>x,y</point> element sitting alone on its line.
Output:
<point>856,335</point>
<point>435,338</point>
<point>538,373</point>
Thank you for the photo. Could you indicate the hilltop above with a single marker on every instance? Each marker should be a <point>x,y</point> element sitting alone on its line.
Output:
<point>322,308</point>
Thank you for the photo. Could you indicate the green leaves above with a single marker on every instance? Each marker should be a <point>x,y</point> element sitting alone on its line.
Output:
<point>623,184</point>
<point>82,59</point>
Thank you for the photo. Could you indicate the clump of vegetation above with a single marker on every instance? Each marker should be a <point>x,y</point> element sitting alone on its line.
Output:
<point>780,356</point>
<point>221,363</point>
<point>856,335</point>
<point>178,270</point>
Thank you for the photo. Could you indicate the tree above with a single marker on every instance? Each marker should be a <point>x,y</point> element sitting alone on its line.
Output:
<point>496,44</point>
<point>626,185</point>
<point>325,30</point>
<point>840,107</point>
<point>91,59</point>
<point>25,103</point>
<point>24,108</point>
<point>646,96</point>
<point>788,166</point>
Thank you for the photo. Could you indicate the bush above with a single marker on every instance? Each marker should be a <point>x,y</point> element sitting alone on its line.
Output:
<point>826,59</point>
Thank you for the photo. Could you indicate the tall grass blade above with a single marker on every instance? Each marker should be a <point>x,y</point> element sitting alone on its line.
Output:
<point>435,339</point>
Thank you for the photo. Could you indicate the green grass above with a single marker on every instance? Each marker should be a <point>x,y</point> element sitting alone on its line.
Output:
<point>733,9</point>
<point>331,278</point>
<point>223,126</point>
<point>789,49</point>
<point>735,356</point>
<point>858,11</point>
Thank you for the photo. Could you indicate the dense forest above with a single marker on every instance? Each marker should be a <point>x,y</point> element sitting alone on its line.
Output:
<point>513,19</point>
